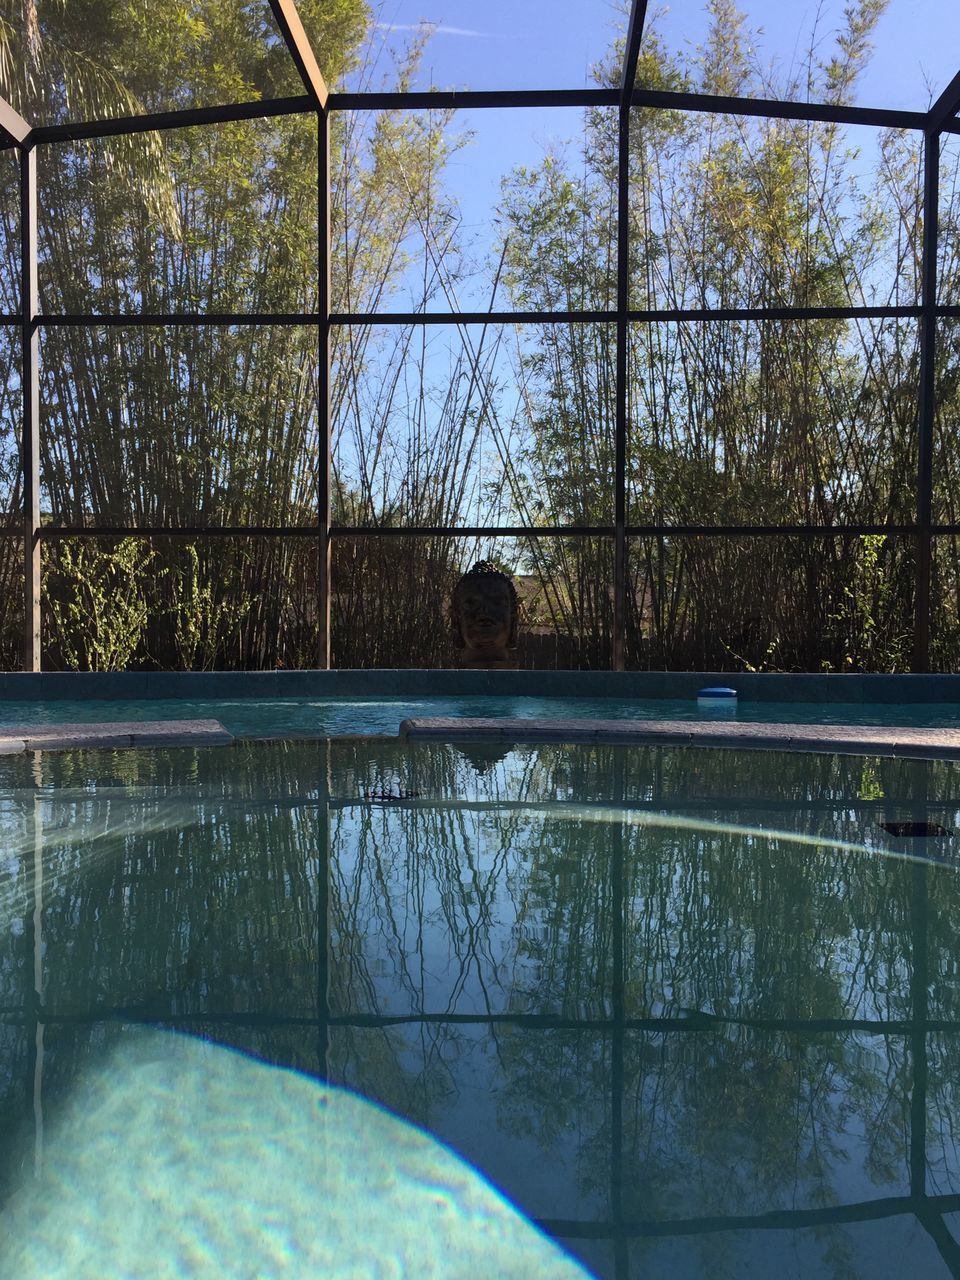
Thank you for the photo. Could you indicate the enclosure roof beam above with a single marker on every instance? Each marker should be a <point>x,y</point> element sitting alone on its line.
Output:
<point>288,20</point>
<point>13,124</point>
<point>454,99</point>
<point>631,53</point>
<point>946,106</point>
<point>186,118</point>
<point>777,109</point>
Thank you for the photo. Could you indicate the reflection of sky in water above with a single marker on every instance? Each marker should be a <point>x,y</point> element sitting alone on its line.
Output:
<point>654,995</point>
<point>276,717</point>
<point>179,1158</point>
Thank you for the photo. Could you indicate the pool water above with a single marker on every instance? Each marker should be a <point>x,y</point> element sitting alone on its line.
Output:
<point>291,717</point>
<point>693,1013</point>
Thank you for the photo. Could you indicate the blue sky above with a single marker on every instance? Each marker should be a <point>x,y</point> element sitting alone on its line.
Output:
<point>535,44</point>
<point>539,44</point>
<point>527,44</point>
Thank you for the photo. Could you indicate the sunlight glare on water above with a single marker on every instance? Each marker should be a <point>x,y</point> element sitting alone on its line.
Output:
<point>180,1158</point>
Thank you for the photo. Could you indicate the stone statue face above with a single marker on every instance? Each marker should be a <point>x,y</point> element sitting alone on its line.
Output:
<point>484,606</point>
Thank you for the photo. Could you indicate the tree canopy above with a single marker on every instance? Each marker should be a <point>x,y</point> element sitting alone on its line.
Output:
<point>731,422</point>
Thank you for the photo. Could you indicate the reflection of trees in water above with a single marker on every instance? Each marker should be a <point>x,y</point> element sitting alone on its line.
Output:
<point>723,1117</point>
<point>186,887</point>
<point>199,895</point>
<point>754,927</point>
<point>514,905</point>
<point>467,911</point>
<point>740,1121</point>
<point>943,1117</point>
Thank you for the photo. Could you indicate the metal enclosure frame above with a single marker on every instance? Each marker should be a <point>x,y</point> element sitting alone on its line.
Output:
<point>18,133</point>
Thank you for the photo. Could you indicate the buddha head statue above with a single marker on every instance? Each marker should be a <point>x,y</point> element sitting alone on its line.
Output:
<point>484,615</point>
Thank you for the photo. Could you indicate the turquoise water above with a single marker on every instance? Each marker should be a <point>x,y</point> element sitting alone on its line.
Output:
<point>687,1012</point>
<point>283,717</point>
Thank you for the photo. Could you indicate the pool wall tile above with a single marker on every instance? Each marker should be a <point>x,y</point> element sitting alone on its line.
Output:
<point>751,685</point>
<point>916,688</point>
<point>169,684</point>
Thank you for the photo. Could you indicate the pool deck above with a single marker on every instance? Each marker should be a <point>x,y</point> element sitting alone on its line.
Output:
<point>860,740</point>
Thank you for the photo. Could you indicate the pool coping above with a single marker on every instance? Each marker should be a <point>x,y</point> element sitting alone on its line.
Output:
<point>126,733</point>
<point>908,742</point>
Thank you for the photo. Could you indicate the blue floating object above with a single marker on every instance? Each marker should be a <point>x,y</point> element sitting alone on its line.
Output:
<point>718,694</point>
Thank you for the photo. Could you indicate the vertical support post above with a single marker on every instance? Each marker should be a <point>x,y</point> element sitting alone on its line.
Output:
<point>928,357</point>
<point>30,391</point>
<point>324,460</point>
<point>620,422</point>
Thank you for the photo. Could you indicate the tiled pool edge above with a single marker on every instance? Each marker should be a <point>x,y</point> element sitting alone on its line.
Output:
<point>759,686</point>
<point>860,740</point>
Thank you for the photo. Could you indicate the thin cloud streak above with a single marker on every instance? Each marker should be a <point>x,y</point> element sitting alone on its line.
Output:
<point>434,29</point>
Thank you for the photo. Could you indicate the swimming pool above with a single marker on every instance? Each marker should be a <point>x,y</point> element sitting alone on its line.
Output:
<point>314,717</point>
<point>694,1012</point>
